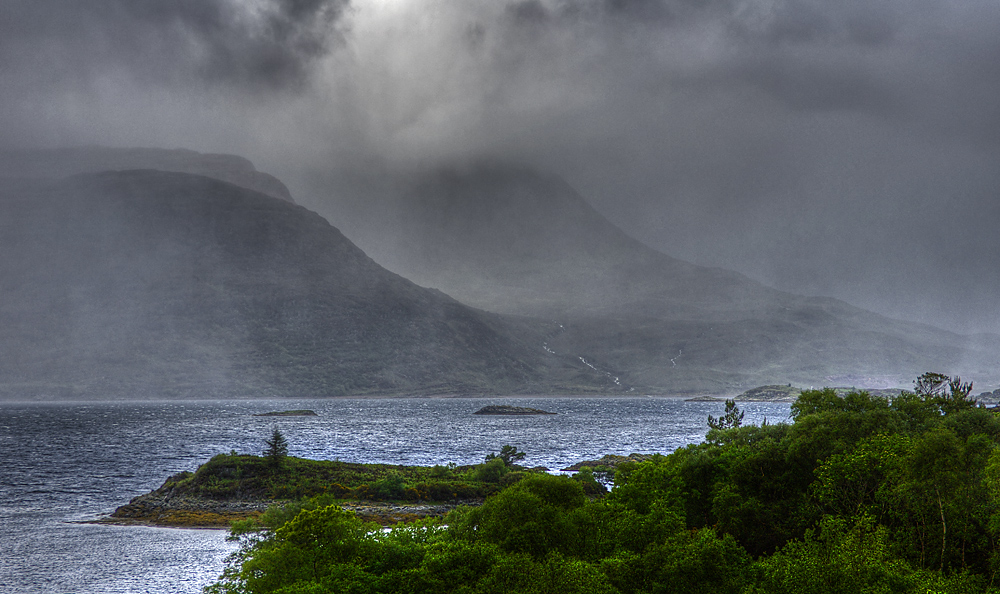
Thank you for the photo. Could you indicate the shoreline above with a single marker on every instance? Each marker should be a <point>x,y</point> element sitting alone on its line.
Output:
<point>41,401</point>
<point>161,511</point>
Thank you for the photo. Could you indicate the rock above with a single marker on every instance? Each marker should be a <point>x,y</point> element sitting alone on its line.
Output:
<point>288,413</point>
<point>608,460</point>
<point>504,409</point>
<point>159,509</point>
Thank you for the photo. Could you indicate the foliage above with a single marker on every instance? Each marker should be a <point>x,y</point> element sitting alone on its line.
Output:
<point>232,476</point>
<point>587,479</point>
<point>731,419</point>
<point>492,471</point>
<point>860,494</point>
<point>508,454</point>
<point>948,394</point>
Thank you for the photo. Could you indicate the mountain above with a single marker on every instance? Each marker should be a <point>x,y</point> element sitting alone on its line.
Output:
<point>512,240</point>
<point>143,283</point>
<point>62,162</point>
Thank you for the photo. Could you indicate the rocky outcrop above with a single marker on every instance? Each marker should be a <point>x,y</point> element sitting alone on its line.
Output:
<point>607,461</point>
<point>288,413</point>
<point>162,509</point>
<point>504,409</point>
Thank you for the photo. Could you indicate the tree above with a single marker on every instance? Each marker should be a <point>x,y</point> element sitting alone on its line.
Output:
<point>277,449</point>
<point>946,393</point>
<point>508,454</point>
<point>931,384</point>
<point>316,546</point>
<point>732,418</point>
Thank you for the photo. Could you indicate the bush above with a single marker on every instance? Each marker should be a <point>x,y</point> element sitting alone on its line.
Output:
<point>530,517</point>
<point>589,482</point>
<point>392,486</point>
<point>490,472</point>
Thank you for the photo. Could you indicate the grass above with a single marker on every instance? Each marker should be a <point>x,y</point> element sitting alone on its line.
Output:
<point>237,476</point>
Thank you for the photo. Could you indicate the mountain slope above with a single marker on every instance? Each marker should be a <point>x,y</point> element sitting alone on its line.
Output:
<point>59,163</point>
<point>155,284</point>
<point>508,239</point>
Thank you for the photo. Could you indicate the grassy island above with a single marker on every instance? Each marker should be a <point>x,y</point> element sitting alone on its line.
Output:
<point>233,487</point>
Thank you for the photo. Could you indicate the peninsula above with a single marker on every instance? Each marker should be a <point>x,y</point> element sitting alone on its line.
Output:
<point>236,487</point>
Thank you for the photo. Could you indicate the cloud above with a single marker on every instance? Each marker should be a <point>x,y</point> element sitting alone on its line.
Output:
<point>843,147</point>
<point>256,44</point>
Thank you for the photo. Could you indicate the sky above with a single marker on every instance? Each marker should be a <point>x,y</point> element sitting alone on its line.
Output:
<point>847,148</point>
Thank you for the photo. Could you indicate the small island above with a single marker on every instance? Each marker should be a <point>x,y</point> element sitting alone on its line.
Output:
<point>288,413</point>
<point>505,409</point>
<point>242,487</point>
<point>770,393</point>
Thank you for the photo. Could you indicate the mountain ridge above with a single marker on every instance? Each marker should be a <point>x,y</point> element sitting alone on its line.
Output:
<point>159,284</point>
<point>59,163</point>
<point>509,239</point>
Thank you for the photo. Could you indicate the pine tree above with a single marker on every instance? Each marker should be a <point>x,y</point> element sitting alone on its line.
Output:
<point>731,420</point>
<point>277,449</point>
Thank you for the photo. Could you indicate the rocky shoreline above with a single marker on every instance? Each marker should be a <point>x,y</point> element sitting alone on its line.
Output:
<point>164,510</point>
<point>158,509</point>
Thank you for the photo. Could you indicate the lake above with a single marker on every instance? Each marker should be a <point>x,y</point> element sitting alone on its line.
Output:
<point>66,463</point>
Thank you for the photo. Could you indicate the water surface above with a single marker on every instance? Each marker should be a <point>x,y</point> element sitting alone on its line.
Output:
<point>65,463</point>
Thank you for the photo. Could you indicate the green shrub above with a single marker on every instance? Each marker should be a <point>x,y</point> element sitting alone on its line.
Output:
<point>389,487</point>
<point>489,472</point>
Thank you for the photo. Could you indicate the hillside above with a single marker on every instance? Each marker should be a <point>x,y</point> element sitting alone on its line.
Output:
<point>509,239</point>
<point>156,284</point>
<point>54,164</point>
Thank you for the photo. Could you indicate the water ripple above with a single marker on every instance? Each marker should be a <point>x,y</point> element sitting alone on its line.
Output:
<point>64,463</point>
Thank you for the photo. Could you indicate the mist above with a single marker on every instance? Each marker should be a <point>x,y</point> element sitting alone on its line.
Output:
<point>842,148</point>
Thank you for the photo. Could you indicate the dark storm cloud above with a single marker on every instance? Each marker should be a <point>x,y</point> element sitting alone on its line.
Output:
<point>820,146</point>
<point>807,55</point>
<point>269,44</point>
